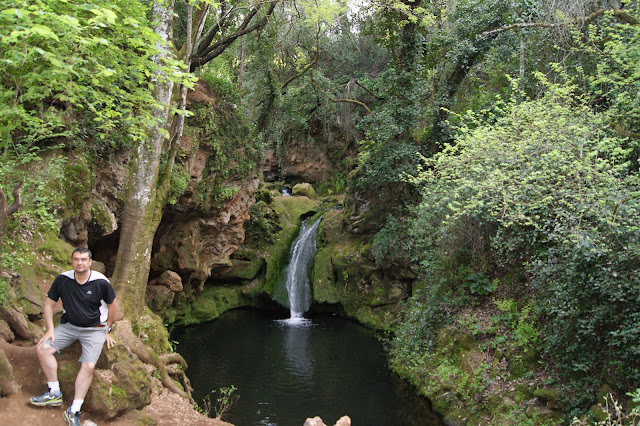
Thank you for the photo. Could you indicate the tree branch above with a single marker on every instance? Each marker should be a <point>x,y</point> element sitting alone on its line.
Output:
<point>347,100</point>
<point>368,90</point>
<point>221,45</point>
<point>208,37</point>
<point>307,67</point>
<point>618,13</point>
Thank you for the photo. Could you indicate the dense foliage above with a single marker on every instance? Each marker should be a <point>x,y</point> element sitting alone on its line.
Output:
<point>79,71</point>
<point>545,185</point>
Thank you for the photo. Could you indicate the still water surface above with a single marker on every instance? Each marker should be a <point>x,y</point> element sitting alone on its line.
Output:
<point>287,371</point>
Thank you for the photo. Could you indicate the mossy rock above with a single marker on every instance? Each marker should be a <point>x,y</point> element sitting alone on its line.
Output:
<point>290,209</point>
<point>151,330</point>
<point>523,393</point>
<point>305,189</point>
<point>120,383</point>
<point>77,185</point>
<point>240,270</point>
<point>124,386</point>
<point>263,194</point>
<point>102,216</point>
<point>56,250</point>
<point>545,415</point>
<point>547,394</point>
<point>213,302</point>
<point>332,230</point>
<point>324,283</point>
<point>55,256</point>
<point>30,297</point>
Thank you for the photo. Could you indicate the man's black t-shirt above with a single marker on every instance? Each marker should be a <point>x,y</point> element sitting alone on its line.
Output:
<point>85,304</point>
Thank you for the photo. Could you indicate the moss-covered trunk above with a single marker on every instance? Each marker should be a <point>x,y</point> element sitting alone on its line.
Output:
<point>144,202</point>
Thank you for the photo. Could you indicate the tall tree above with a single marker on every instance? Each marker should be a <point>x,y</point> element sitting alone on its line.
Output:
<point>205,31</point>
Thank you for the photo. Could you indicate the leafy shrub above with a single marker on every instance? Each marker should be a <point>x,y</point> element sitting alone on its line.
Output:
<point>524,332</point>
<point>478,283</point>
<point>554,192</point>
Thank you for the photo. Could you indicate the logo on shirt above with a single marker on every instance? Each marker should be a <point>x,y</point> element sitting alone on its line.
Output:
<point>89,292</point>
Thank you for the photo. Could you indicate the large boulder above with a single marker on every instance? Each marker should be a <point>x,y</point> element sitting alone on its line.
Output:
<point>121,382</point>
<point>304,189</point>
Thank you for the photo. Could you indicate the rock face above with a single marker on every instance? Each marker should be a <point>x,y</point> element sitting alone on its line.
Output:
<point>100,214</point>
<point>193,245</point>
<point>302,162</point>
<point>205,226</point>
<point>344,273</point>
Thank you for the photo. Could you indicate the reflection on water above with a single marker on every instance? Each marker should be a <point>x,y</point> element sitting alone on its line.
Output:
<point>288,370</point>
<point>298,357</point>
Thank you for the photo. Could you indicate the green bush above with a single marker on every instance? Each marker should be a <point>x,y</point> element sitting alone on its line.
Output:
<point>553,191</point>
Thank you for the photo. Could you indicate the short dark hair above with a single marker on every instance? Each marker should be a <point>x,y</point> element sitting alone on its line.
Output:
<point>82,250</point>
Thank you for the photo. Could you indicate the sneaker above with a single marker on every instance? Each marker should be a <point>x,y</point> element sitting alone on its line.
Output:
<point>47,399</point>
<point>72,419</point>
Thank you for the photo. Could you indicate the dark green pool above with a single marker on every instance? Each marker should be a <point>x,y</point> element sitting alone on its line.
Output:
<point>286,372</point>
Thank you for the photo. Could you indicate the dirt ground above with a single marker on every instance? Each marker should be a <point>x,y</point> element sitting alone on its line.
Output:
<point>166,408</point>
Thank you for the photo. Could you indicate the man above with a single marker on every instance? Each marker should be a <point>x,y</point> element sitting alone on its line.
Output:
<point>89,310</point>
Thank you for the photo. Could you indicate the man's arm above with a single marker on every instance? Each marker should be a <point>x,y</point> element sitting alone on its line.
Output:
<point>48,321</point>
<point>111,317</point>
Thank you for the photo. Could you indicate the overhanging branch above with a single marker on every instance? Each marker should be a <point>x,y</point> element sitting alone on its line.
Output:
<point>333,99</point>
<point>620,14</point>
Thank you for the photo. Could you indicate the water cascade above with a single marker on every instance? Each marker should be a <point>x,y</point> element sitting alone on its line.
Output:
<point>297,282</point>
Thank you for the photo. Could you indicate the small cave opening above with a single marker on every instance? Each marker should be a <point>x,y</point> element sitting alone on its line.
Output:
<point>104,249</point>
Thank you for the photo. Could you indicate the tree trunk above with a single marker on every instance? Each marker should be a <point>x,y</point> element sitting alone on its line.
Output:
<point>241,66</point>
<point>522,56</point>
<point>141,213</point>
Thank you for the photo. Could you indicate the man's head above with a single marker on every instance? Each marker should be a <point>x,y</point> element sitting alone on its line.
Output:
<point>81,259</point>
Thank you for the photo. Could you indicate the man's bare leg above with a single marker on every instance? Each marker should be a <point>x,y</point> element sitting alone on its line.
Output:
<point>83,379</point>
<point>48,362</point>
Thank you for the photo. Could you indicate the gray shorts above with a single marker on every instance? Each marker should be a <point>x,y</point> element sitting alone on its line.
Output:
<point>91,339</point>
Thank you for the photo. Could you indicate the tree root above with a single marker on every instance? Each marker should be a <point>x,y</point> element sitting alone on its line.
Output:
<point>124,332</point>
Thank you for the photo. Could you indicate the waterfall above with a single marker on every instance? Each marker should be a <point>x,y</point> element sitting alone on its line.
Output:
<point>297,282</point>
